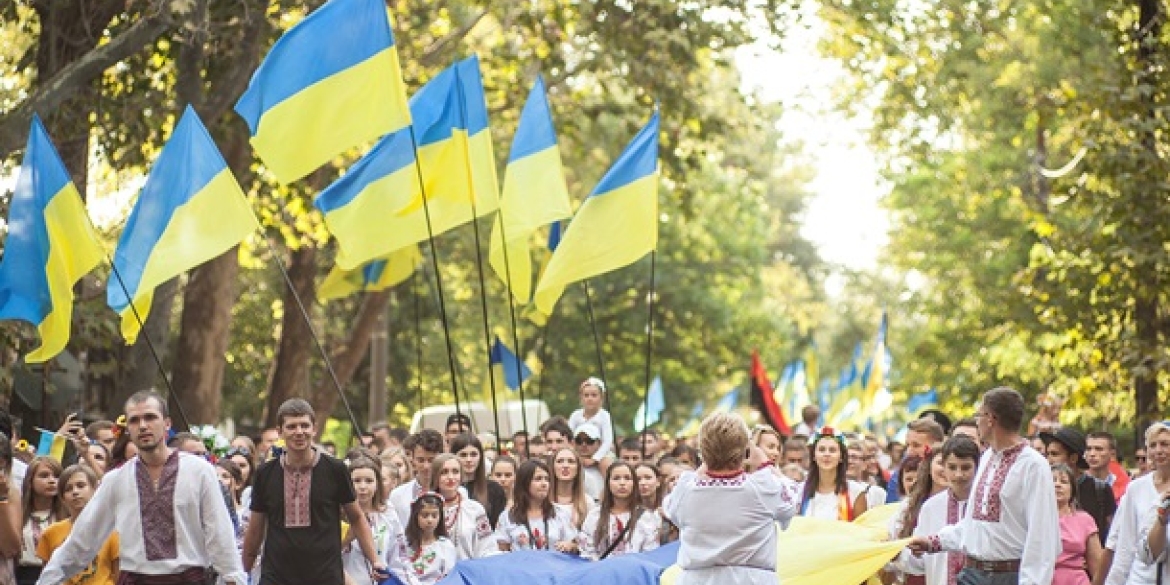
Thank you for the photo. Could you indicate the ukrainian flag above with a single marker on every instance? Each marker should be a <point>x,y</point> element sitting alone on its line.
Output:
<point>331,82</point>
<point>376,207</point>
<point>50,246</point>
<point>375,276</point>
<point>190,210</point>
<point>51,445</point>
<point>535,194</point>
<point>505,365</point>
<point>615,226</point>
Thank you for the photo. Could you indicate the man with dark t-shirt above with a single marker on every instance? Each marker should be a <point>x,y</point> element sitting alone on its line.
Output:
<point>297,500</point>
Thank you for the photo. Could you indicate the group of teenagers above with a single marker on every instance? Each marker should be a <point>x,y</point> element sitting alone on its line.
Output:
<point>978,503</point>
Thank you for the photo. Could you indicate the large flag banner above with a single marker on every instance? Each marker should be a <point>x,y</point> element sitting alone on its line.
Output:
<point>377,208</point>
<point>763,399</point>
<point>332,82</point>
<point>535,194</point>
<point>190,210</point>
<point>615,226</point>
<point>375,276</point>
<point>51,245</point>
<point>650,411</point>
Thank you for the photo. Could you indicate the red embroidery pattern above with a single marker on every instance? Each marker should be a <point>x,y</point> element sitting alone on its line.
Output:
<point>988,506</point>
<point>157,508</point>
<point>708,481</point>
<point>298,484</point>
<point>955,560</point>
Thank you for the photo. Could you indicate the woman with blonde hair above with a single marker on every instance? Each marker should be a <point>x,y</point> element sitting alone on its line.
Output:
<point>727,511</point>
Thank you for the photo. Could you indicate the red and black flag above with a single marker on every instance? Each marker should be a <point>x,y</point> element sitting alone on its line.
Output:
<point>763,398</point>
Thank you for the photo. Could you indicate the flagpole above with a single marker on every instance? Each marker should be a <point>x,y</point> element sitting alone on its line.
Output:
<point>418,342</point>
<point>357,428</point>
<point>487,334</point>
<point>600,360</point>
<point>649,347</point>
<point>174,398</point>
<point>438,274</point>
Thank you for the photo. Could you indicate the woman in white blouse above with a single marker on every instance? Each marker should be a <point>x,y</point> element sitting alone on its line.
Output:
<point>533,522</point>
<point>827,492</point>
<point>620,525</point>
<point>466,520</point>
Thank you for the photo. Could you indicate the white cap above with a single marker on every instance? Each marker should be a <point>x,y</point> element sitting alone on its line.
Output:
<point>589,430</point>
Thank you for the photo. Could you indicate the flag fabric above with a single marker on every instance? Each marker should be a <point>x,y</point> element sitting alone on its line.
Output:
<point>555,229</point>
<point>190,210</point>
<point>505,363</point>
<point>922,402</point>
<point>51,445</point>
<point>332,82</point>
<point>535,194</point>
<point>728,402</point>
<point>51,245</point>
<point>377,208</point>
<point>377,275</point>
<point>650,410</point>
<point>763,399</point>
<point>696,419</point>
<point>878,373</point>
<point>615,226</point>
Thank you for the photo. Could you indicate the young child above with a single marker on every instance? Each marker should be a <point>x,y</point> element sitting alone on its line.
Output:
<point>620,525</point>
<point>40,506</point>
<point>78,484</point>
<point>366,475</point>
<point>424,555</point>
<point>592,395</point>
<point>960,457</point>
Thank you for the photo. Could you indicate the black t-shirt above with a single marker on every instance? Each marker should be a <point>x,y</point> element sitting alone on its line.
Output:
<point>1096,498</point>
<point>310,554</point>
<point>497,500</point>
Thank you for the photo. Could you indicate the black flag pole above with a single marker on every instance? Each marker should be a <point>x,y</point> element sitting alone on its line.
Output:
<point>150,345</point>
<point>600,359</point>
<point>649,346</point>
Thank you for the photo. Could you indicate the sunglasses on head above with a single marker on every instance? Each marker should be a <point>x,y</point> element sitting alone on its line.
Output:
<point>238,451</point>
<point>584,441</point>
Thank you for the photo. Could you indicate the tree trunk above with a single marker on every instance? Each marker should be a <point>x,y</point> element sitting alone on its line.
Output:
<point>1145,313</point>
<point>348,357</point>
<point>290,369</point>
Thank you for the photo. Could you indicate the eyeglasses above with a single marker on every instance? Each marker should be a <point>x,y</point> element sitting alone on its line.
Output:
<point>584,441</point>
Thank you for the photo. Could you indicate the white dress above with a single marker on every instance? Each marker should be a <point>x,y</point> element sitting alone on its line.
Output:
<point>640,538</point>
<point>567,510</point>
<point>468,528</point>
<point>828,506</point>
<point>423,567</point>
<point>727,526</point>
<point>538,534</point>
<point>386,530</point>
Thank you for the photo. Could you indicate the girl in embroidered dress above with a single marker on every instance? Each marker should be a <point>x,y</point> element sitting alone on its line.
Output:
<point>649,486</point>
<point>620,525</point>
<point>366,474</point>
<point>230,478</point>
<point>827,492</point>
<point>395,459</point>
<point>41,506</point>
<point>504,473</point>
<point>568,483</point>
<point>533,522</point>
<point>424,555</point>
<point>1080,546</point>
<point>79,483</point>
<point>902,525</point>
<point>465,519</point>
<point>469,449</point>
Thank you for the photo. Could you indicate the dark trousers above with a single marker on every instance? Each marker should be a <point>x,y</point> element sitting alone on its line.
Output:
<point>970,576</point>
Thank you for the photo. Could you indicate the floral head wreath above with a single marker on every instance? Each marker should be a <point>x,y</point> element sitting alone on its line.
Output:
<point>119,426</point>
<point>828,432</point>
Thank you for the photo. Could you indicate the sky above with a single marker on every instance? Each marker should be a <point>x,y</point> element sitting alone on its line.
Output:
<point>844,218</point>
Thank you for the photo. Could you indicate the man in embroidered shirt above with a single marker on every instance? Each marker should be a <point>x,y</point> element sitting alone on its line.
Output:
<point>1010,531</point>
<point>297,501</point>
<point>166,507</point>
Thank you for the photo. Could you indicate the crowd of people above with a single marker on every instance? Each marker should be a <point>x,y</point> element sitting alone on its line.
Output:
<point>978,502</point>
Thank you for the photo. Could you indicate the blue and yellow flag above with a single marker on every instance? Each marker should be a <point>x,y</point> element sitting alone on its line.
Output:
<point>878,372</point>
<point>650,411</point>
<point>535,194</point>
<point>51,444</point>
<point>190,210</point>
<point>51,245</point>
<point>615,226</point>
<point>508,367</point>
<point>330,83</point>
<point>376,207</point>
<point>375,276</point>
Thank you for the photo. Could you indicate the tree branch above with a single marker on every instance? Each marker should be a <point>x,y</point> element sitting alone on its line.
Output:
<point>76,75</point>
<point>433,52</point>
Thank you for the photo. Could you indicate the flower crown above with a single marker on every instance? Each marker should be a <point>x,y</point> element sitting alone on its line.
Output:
<point>828,432</point>
<point>216,443</point>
